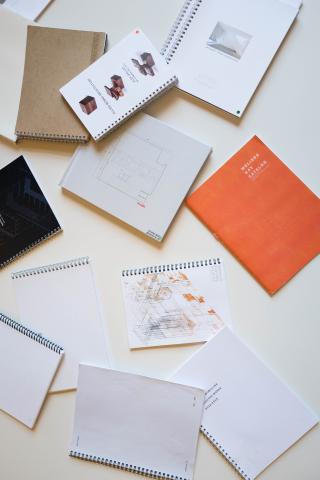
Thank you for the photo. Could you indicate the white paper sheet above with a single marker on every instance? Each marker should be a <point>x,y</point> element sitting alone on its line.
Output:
<point>249,414</point>
<point>138,421</point>
<point>27,370</point>
<point>30,9</point>
<point>62,301</point>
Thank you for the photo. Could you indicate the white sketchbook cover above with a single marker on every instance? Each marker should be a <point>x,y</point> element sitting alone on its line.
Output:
<point>136,423</point>
<point>221,49</point>
<point>28,364</point>
<point>249,414</point>
<point>118,84</point>
<point>13,39</point>
<point>140,174</point>
<point>62,300</point>
<point>26,8</point>
<point>178,303</point>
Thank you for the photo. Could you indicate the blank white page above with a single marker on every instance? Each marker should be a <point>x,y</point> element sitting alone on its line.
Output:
<point>137,423</point>
<point>28,365</point>
<point>249,414</point>
<point>62,300</point>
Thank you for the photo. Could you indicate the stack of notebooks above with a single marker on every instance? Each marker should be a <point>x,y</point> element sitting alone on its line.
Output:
<point>71,89</point>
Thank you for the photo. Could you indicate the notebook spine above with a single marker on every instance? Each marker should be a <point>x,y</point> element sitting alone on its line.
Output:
<point>149,98</point>
<point>32,245</point>
<point>171,267</point>
<point>223,452</point>
<point>37,337</point>
<point>147,472</point>
<point>184,21</point>
<point>178,21</point>
<point>78,262</point>
<point>44,137</point>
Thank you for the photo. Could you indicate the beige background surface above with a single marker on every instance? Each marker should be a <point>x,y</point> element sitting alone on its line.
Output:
<point>283,330</point>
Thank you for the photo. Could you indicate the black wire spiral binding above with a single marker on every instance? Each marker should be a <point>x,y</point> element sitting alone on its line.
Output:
<point>32,245</point>
<point>171,266</point>
<point>77,262</point>
<point>123,118</point>
<point>175,42</point>
<point>223,452</point>
<point>31,334</point>
<point>125,466</point>
<point>45,137</point>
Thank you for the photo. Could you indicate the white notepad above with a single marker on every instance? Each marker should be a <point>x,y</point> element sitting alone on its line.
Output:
<point>177,303</point>
<point>13,39</point>
<point>136,423</point>
<point>121,82</point>
<point>62,300</point>
<point>249,414</point>
<point>140,174</point>
<point>221,49</point>
<point>28,364</point>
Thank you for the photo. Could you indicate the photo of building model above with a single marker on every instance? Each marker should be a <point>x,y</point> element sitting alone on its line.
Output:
<point>88,104</point>
<point>145,68</point>
<point>229,40</point>
<point>117,87</point>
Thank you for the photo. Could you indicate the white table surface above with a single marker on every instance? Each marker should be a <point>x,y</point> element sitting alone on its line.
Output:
<point>284,330</point>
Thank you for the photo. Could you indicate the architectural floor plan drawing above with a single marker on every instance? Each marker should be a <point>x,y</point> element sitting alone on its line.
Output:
<point>134,166</point>
<point>166,308</point>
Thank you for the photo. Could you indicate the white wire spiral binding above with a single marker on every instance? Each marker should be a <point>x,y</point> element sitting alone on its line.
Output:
<point>176,25</point>
<point>152,96</point>
<point>125,466</point>
<point>32,245</point>
<point>173,48</point>
<point>45,137</point>
<point>31,334</point>
<point>171,266</point>
<point>223,452</point>
<point>77,262</point>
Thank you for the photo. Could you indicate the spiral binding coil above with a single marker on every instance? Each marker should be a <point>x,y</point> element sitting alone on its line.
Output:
<point>32,245</point>
<point>125,466</point>
<point>171,266</point>
<point>223,452</point>
<point>152,96</point>
<point>175,42</point>
<point>176,25</point>
<point>44,137</point>
<point>37,337</point>
<point>51,268</point>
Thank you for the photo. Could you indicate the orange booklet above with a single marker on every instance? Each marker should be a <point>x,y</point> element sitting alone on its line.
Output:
<point>262,212</point>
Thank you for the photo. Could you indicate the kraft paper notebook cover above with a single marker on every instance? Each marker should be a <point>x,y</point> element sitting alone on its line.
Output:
<point>54,56</point>
<point>221,49</point>
<point>140,174</point>
<point>250,416</point>
<point>13,38</point>
<point>176,303</point>
<point>265,215</point>
<point>121,82</point>
<point>28,362</point>
<point>26,218</point>
<point>62,300</point>
<point>136,423</point>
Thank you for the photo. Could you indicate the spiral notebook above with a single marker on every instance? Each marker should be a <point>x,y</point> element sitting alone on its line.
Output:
<point>177,303</point>
<point>250,416</point>
<point>123,81</point>
<point>26,218</point>
<point>135,423</point>
<point>140,174</point>
<point>62,300</point>
<point>28,362</point>
<point>53,56</point>
<point>221,49</point>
